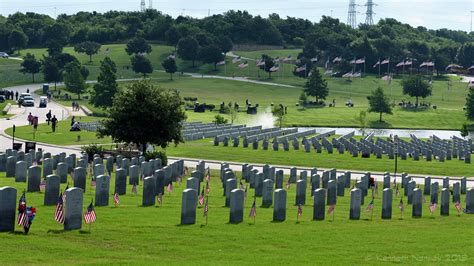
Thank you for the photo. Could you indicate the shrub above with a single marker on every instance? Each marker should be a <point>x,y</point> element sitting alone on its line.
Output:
<point>157,155</point>
<point>92,149</point>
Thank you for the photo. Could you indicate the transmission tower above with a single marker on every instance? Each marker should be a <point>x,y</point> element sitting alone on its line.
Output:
<point>369,19</point>
<point>150,4</point>
<point>351,15</point>
<point>142,6</point>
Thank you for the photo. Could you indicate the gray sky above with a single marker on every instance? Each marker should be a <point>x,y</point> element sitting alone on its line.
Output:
<point>433,14</point>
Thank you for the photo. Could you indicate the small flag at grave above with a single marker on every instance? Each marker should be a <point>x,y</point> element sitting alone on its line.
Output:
<point>432,207</point>
<point>201,197</point>
<point>397,191</point>
<point>376,188</point>
<point>64,194</point>
<point>59,213</point>
<point>208,174</point>
<point>170,187</point>
<point>300,210</point>
<point>206,207</point>
<point>159,198</point>
<point>331,208</point>
<point>116,199</point>
<point>370,206</point>
<point>253,210</point>
<point>288,184</point>
<point>400,205</point>
<point>89,215</point>
<point>134,189</point>
<point>457,205</point>
<point>93,183</point>
<point>241,185</point>
<point>42,185</point>
<point>22,213</point>
<point>178,179</point>
<point>208,189</point>
<point>394,182</point>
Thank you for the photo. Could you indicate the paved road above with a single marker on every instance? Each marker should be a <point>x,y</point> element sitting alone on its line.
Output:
<point>62,113</point>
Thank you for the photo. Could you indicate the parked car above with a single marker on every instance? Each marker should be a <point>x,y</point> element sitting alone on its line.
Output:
<point>4,55</point>
<point>43,102</point>
<point>28,101</point>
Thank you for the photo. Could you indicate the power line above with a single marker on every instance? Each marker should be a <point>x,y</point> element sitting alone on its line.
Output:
<point>369,16</point>
<point>352,14</point>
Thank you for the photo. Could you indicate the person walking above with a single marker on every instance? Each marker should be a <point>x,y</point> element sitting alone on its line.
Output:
<point>16,95</point>
<point>54,122</point>
<point>30,119</point>
<point>48,117</point>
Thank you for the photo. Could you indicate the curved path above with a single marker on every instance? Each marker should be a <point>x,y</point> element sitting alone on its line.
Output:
<point>62,113</point>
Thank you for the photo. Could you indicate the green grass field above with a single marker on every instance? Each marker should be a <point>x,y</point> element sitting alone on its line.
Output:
<point>131,234</point>
<point>206,149</point>
<point>62,136</point>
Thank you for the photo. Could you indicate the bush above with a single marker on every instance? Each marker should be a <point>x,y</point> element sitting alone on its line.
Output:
<point>218,119</point>
<point>92,149</point>
<point>157,155</point>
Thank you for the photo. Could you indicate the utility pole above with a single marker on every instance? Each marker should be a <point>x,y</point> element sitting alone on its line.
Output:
<point>351,15</point>
<point>369,19</point>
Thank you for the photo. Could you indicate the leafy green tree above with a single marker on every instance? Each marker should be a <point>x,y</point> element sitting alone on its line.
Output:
<point>51,70</point>
<point>470,104</point>
<point>88,48</point>
<point>464,130</point>
<point>30,65</point>
<point>188,49</point>
<point>415,86</point>
<point>210,54</point>
<point>138,45</point>
<point>225,43</point>
<point>106,87</point>
<point>269,64</point>
<point>54,47</point>
<point>141,64</point>
<point>316,86</point>
<point>73,79</point>
<point>17,40</point>
<point>220,120</point>
<point>465,55</point>
<point>172,37</point>
<point>129,124</point>
<point>379,103</point>
<point>279,113</point>
<point>170,66</point>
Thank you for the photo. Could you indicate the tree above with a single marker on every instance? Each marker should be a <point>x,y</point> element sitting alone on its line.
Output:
<point>172,37</point>
<point>188,49</point>
<point>225,43</point>
<point>464,130</point>
<point>88,48</point>
<point>170,66</point>
<point>141,64</point>
<point>362,119</point>
<point>73,79</point>
<point>379,103</point>
<point>415,86</point>
<point>106,87</point>
<point>51,70</point>
<point>220,120</point>
<point>30,65</point>
<point>470,104</point>
<point>279,113</point>
<point>138,45</point>
<point>316,86</point>
<point>158,120</point>
<point>210,54</point>
<point>233,112</point>
<point>268,66</point>
<point>17,40</point>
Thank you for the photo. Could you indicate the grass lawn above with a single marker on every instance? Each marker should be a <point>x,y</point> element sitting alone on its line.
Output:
<point>62,136</point>
<point>131,234</point>
<point>206,149</point>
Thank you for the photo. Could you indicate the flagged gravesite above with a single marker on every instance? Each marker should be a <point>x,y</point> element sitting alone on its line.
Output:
<point>225,133</point>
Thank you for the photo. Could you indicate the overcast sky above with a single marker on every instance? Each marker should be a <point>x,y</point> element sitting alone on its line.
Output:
<point>433,14</point>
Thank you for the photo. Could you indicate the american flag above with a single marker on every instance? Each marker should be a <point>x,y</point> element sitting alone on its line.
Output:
<point>178,179</point>
<point>89,215</point>
<point>360,61</point>
<point>300,210</point>
<point>201,197</point>
<point>241,184</point>
<point>206,207</point>
<point>134,189</point>
<point>42,185</point>
<point>23,219</point>
<point>400,205</point>
<point>386,61</point>
<point>288,183</point>
<point>220,63</point>
<point>208,189</point>
<point>261,62</point>
<point>370,206</point>
<point>208,174</point>
<point>458,207</point>
<point>394,182</point>
<point>397,191</point>
<point>116,199</point>
<point>236,59</point>
<point>376,188</point>
<point>244,65</point>
<point>331,208</point>
<point>93,183</point>
<point>432,207</point>
<point>253,210</point>
<point>159,198</point>
<point>170,187</point>
<point>301,69</point>
<point>376,64</point>
<point>275,68</point>
<point>59,213</point>
<point>337,60</point>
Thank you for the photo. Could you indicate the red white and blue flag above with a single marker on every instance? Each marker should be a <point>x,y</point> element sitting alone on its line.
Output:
<point>89,215</point>
<point>253,210</point>
<point>23,219</point>
<point>116,199</point>
<point>59,213</point>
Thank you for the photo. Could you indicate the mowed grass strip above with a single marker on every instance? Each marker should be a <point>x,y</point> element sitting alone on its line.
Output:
<point>134,234</point>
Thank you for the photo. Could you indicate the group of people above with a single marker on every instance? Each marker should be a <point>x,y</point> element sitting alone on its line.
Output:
<point>51,119</point>
<point>75,106</point>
